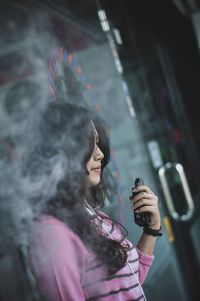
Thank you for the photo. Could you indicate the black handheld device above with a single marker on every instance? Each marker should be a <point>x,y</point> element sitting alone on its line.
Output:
<point>141,219</point>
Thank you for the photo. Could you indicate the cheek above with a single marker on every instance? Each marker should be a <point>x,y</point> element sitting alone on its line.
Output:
<point>88,165</point>
<point>90,162</point>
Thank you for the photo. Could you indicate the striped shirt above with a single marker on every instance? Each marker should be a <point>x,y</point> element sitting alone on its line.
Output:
<point>66,270</point>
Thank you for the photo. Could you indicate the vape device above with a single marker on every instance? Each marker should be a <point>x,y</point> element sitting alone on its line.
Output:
<point>141,219</point>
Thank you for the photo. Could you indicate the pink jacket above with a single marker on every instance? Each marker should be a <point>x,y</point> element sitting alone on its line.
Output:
<point>66,270</point>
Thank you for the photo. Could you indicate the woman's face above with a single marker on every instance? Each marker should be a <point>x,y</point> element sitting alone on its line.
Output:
<point>93,166</point>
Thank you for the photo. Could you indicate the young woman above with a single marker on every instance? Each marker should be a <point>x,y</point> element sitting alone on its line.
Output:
<point>76,252</point>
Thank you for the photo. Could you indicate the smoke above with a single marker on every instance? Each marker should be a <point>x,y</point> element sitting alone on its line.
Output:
<point>26,41</point>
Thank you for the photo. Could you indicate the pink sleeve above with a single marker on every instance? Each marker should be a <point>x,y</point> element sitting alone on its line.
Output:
<point>57,258</point>
<point>145,261</point>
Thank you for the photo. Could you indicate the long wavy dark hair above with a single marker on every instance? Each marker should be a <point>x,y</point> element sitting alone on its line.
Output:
<point>66,130</point>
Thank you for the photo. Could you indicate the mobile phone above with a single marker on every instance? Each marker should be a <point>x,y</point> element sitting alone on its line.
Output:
<point>141,219</point>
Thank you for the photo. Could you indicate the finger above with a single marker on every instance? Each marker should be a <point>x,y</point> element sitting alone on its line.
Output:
<point>144,202</point>
<point>140,196</point>
<point>148,200</point>
<point>142,188</point>
<point>147,190</point>
<point>146,208</point>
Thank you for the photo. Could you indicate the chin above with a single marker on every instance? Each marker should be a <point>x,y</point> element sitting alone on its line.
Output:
<point>93,182</point>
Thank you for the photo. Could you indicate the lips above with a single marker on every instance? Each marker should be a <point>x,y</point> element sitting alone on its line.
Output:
<point>98,168</point>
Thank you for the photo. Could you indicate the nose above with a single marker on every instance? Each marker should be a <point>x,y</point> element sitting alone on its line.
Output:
<point>99,154</point>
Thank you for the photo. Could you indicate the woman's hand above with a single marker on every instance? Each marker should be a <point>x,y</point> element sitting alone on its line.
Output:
<point>146,201</point>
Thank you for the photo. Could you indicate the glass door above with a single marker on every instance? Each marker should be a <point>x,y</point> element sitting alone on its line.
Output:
<point>174,160</point>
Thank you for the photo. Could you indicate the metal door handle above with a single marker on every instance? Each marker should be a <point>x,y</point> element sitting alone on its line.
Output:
<point>169,200</point>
